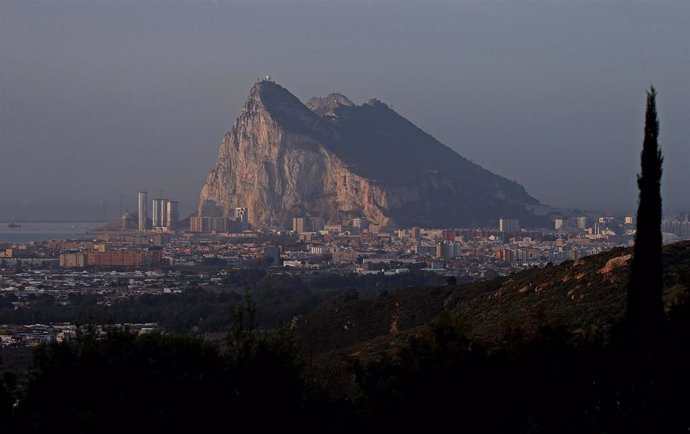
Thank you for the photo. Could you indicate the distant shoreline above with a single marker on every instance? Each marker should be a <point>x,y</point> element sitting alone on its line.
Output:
<point>51,221</point>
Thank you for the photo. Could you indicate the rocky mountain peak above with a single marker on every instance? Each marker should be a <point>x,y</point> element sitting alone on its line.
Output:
<point>337,160</point>
<point>325,106</point>
<point>272,97</point>
<point>373,102</point>
<point>274,102</point>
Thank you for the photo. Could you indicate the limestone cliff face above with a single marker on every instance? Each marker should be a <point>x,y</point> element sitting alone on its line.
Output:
<point>333,159</point>
<point>273,162</point>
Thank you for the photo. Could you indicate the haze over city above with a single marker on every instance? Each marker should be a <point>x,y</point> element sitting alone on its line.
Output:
<point>344,216</point>
<point>100,99</point>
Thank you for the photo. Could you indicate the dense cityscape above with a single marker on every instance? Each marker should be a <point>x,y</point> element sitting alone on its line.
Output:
<point>156,255</point>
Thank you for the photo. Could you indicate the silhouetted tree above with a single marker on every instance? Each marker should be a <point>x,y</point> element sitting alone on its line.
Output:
<point>645,305</point>
<point>242,337</point>
<point>264,371</point>
<point>122,381</point>
<point>7,383</point>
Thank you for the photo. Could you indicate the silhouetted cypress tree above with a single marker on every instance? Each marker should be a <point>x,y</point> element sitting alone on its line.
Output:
<point>645,305</point>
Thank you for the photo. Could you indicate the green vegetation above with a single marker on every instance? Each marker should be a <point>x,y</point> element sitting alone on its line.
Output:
<point>153,382</point>
<point>549,380</point>
<point>583,295</point>
<point>279,298</point>
<point>645,306</point>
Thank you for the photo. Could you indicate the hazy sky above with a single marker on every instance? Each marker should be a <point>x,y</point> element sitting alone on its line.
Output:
<point>102,98</point>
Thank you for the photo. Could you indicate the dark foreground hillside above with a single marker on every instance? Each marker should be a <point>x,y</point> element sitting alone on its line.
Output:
<point>538,352</point>
<point>579,294</point>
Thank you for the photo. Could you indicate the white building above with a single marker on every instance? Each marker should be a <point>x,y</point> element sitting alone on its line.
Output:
<point>142,211</point>
<point>509,225</point>
<point>172,217</point>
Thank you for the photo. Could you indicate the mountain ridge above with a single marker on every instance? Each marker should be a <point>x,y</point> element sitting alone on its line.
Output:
<point>338,160</point>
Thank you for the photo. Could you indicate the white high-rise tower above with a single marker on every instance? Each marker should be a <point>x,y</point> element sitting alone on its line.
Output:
<point>172,215</point>
<point>142,210</point>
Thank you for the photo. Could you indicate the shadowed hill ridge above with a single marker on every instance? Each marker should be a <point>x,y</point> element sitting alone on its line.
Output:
<point>576,294</point>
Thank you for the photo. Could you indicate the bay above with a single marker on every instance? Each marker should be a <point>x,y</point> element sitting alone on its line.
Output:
<point>36,231</point>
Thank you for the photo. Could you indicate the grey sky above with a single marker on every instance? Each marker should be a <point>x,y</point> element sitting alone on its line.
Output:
<point>106,97</point>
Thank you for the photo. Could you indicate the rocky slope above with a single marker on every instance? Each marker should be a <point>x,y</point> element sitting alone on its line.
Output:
<point>590,291</point>
<point>334,159</point>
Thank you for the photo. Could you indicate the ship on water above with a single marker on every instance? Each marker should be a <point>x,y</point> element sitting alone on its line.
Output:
<point>14,225</point>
